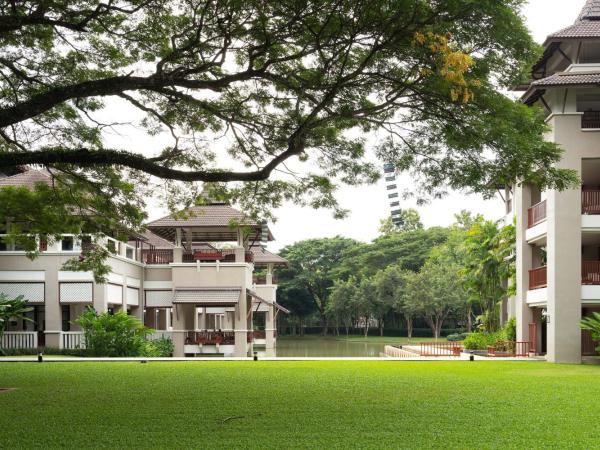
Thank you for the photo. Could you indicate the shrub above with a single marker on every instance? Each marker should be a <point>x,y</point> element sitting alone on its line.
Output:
<point>593,325</point>
<point>113,334</point>
<point>455,337</point>
<point>161,347</point>
<point>480,340</point>
<point>510,329</point>
<point>49,351</point>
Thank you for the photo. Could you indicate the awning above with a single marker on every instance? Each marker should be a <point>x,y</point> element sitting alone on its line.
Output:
<point>259,301</point>
<point>207,296</point>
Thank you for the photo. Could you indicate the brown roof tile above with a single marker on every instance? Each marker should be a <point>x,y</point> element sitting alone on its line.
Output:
<point>217,215</point>
<point>27,179</point>
<point>264,256</point>
<point>568,79</point>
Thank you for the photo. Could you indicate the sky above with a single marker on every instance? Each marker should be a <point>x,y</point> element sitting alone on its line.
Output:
<point>369,204</point>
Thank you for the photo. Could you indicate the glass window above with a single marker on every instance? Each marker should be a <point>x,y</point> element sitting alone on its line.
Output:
<point>391,186</point>
<point>394,195</point>
<point>67,244</point>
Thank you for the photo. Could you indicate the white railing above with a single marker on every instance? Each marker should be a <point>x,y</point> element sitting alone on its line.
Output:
<point>159,334</point>
<point>19,339</point>
<point>72,340</point>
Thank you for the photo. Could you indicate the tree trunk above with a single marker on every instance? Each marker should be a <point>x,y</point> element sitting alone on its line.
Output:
<point>366,327</point>
<point>380,327</point>
<point>324,325</point>
<point>409,326</point>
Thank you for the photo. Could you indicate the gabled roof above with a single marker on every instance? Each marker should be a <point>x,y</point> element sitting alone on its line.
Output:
<point>214,215</point>
<point>156,241</point>
<point>27,179</point>
<point>586,26</point>
<point>568,79</point>
<point>264,256</point>
<point>207,223</point>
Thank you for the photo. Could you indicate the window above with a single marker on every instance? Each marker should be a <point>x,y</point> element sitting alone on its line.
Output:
<point>67,244</point>
<point>391,186</point>
<point>396,212</point>
<point>388,168</point>
<point>66,317</point>
<point>129,252</point>
<point>390,178</point>
<point>394,195</point>
<point>394,204</point>
<point>111,246</point>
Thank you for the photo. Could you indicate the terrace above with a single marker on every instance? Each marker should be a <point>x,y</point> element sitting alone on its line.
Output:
<point>590,275</point>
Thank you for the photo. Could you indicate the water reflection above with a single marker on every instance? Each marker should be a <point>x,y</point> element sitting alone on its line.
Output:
<point>329,347</point>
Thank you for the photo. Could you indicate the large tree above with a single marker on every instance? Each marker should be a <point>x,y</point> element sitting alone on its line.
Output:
<point>274,98</point>
<point>312,266</point>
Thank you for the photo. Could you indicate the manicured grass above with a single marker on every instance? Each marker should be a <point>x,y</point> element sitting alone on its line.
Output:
<point>337,404</point>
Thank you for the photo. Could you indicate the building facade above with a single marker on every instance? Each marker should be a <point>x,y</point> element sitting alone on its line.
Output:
<point>193,280</point>
<point>558,232</point>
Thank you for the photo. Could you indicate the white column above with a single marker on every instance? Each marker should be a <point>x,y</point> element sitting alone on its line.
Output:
<point>522,202</point>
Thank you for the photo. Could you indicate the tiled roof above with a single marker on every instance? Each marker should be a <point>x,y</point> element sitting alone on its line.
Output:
<point>586,26</point>
<point>568,79</point>
<point>587,29</point>
<point>591,10</point>
<point>27,179</point>
<point>264,256</point>
<point>217,215</point>
<point>156,241</point>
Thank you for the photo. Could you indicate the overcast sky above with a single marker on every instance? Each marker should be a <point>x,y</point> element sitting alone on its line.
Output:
<point>369,204</point>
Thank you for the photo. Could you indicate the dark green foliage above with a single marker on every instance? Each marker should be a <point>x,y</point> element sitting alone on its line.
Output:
<point>457,337</point>
<point>48,351</point>
<point>592,324</point>
<point>12,309</point>
<point>116,334</point>
<point>265,83</point>
<point>161,347</point>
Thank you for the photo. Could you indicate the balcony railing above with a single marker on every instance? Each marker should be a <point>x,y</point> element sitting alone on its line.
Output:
<point>590,272</point>
<point>590,202</point>
<point>538,278</point>
<point>536,214</point>
<point>157,256</point>
<point>209,338</point>
<point>165,256</point>
<point>590,120</point>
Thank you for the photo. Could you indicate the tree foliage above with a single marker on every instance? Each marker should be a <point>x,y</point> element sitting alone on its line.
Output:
<point>12,309</point>
<point>312,267</point>
<point>266,96</point>
<point>408,220</point>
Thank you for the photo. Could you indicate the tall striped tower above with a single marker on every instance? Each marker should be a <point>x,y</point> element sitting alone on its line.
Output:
<point>389,172</point>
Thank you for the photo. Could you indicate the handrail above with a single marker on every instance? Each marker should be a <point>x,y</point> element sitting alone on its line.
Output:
<point>536,214</point>
<point>590,120</point>
<point>538,278</point>
<point>590,202</point>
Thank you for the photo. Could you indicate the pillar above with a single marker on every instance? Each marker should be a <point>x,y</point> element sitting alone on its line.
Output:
<point>564,271</point>
<point>183,318</point>
<point>241,326</point>
<point>270,327</point>
<point>522,202</point>
<point>52,310</point>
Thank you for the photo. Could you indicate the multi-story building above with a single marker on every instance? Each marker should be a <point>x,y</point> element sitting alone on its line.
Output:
<point>558,232</point>
<point>192,279</point>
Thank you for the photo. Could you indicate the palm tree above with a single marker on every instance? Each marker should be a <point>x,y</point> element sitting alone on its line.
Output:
<point>12,309</point>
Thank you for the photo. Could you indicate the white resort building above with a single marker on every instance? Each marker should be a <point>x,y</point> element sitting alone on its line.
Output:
<point>193,280</point>
<point>558,233</point>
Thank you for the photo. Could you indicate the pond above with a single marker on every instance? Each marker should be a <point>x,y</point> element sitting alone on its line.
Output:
<point>312,346</point>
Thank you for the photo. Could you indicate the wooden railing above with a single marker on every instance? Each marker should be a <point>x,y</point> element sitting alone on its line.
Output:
<point>590,202</point>
<point>533,338</point>
<point>157,256</point>
<point>209,337</point>
<point>536,214</point>
<point>19,339</point>
<point>440,348</point>
<point>590,119</point>
<point>509,349</point>
<point>590,272</point>
<point>72,340</point>
<point>588,345</point>
<point>538,278</point>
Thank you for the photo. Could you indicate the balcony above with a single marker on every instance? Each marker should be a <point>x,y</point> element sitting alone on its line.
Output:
<point>590,275</point>
<point>538,278</point>
<point>536,214</point>
<point>590,202</point>
<point>165,256</point>
<point>590,120</point>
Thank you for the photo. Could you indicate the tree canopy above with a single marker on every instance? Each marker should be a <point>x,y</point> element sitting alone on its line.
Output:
<point>266,101</point>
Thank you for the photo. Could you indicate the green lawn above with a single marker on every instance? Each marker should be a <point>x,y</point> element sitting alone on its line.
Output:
<point>300,404</point>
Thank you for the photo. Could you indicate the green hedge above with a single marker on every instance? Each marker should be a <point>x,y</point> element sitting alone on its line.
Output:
<point>45,350</point>
<point>390,332</point>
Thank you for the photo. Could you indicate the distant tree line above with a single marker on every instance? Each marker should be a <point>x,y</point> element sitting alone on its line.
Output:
<point>407,277</point>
